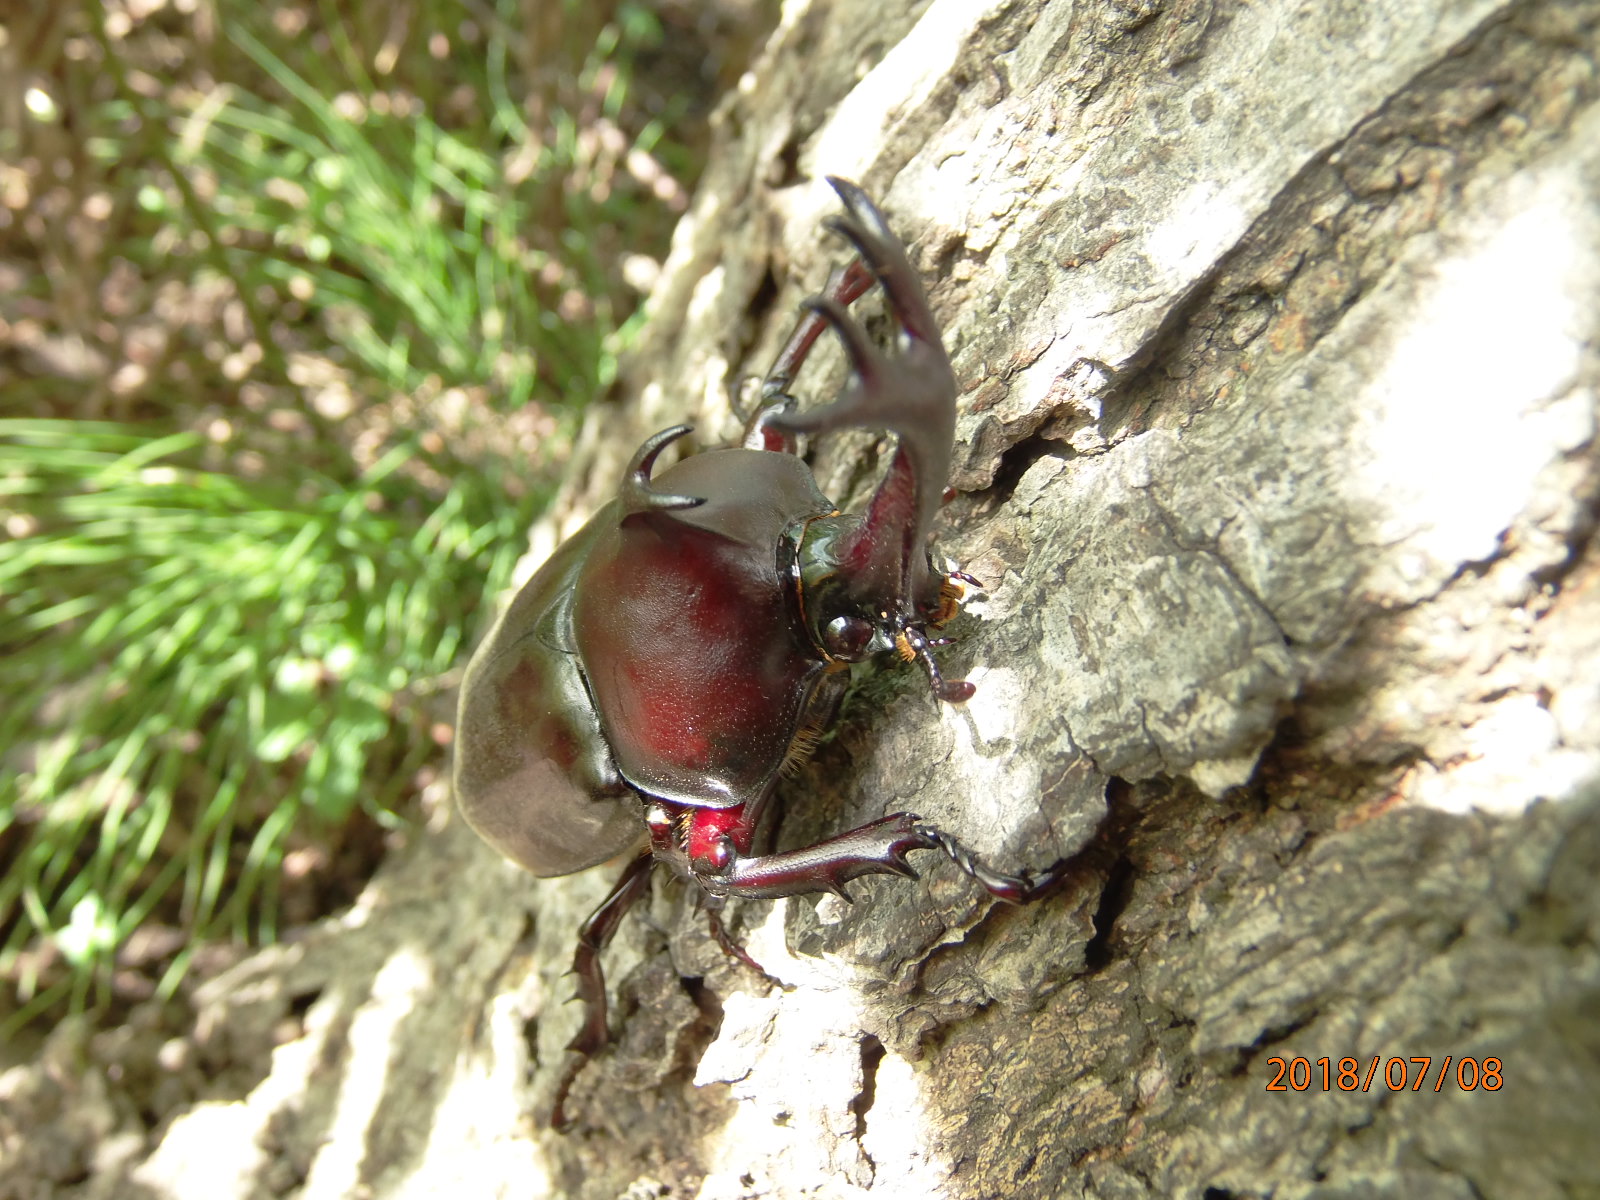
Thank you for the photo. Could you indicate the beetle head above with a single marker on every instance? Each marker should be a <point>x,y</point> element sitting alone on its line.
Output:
<point>866,583</point>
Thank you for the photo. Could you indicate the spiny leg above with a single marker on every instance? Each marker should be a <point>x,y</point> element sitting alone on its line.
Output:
<point>877,848</point>
<point>593,938</point>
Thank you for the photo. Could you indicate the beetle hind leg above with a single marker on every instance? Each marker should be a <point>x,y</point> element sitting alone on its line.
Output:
<point>595,936</point>
<point>726,943</point>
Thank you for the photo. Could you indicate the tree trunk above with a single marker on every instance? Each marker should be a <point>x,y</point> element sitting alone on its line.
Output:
<point>1276,325</point>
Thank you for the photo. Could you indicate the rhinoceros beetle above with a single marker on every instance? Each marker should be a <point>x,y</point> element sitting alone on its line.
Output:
<point>672,659</point>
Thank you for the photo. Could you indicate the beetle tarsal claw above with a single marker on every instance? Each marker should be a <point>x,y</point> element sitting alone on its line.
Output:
<point>1013,889</point>
<point>636,494</point>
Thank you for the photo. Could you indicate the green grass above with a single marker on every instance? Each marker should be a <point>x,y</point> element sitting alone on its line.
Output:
<point>448,284</point>
<point>228,617</point>
<point>200,663</point>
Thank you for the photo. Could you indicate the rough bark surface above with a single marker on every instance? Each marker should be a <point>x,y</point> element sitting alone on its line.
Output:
<point>1277,329</point>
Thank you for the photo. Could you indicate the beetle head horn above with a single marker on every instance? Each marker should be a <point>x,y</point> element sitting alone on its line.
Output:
<point>912,395</point>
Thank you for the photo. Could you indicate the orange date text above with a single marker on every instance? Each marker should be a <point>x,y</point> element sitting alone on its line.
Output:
<point>1413,1074</point>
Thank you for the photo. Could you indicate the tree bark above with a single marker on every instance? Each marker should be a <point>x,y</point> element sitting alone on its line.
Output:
<point>1276,326</point>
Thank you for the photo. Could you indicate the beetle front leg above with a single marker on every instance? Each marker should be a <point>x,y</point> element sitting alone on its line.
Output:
<point>844,287</point>
<point>593,938</point>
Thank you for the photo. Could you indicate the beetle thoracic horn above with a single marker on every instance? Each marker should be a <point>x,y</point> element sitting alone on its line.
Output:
<point>637,495</point>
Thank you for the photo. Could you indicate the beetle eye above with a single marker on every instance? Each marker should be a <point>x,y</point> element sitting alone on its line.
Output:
<point>847,638</point>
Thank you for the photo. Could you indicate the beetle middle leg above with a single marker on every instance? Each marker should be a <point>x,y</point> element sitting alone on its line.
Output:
<point>877,848</point>
<point>1013,889</point>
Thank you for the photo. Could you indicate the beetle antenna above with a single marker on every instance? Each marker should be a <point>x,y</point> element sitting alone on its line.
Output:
<point>636,494</point>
